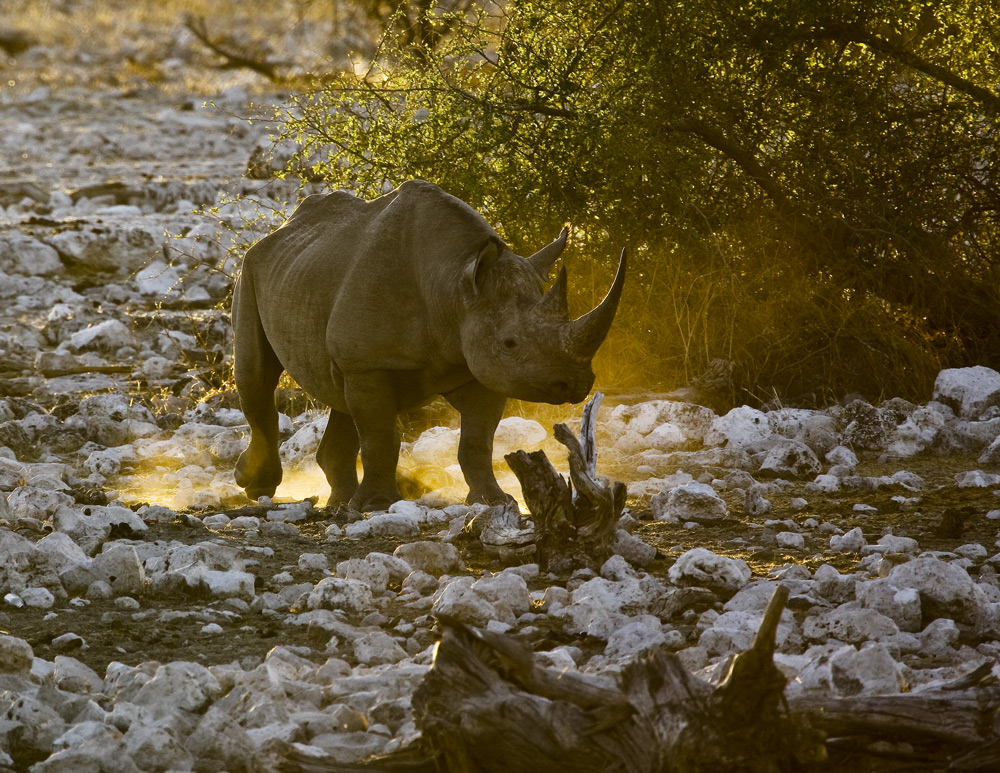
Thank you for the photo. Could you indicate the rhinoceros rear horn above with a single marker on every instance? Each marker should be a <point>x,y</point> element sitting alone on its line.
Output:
<point>554,303</point>
<point>543,260</point>
<point>585,335</point>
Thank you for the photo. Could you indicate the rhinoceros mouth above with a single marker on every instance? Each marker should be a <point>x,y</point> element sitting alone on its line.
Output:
<point>556,393</point>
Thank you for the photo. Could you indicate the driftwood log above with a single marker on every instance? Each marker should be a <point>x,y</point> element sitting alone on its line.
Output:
<point>575,521</point>
<point>487,706</point>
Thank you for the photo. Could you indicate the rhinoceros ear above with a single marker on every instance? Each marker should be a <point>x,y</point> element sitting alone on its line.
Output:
<point>543,260</point>
<point>476,268</point>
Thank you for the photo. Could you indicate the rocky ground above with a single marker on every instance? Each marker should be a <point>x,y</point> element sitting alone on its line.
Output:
<point>154,619</point>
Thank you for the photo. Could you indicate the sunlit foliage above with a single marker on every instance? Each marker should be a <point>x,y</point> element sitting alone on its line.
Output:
<point>807,188</point>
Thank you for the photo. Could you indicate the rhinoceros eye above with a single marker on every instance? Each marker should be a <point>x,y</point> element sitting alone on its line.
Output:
<point>510,344</point>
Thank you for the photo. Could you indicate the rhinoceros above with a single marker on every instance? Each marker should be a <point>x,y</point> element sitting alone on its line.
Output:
<point>375,307</point>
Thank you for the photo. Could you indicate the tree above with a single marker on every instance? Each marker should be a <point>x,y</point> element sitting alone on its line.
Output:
<point>806,187</point>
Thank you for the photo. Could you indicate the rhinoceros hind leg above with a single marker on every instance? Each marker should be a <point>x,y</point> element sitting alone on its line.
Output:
<point>371,399</point>
<point>256,370</point>
<point>337,456</point>
<point>481,410</point>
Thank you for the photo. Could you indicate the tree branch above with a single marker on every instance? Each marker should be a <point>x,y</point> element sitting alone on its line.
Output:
<point>234,59</point>
<point>855,33</point>
<point>740,155</point>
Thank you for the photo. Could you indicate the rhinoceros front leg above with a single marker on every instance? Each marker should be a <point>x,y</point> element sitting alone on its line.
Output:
<point>337,456</point>
<point>481,410</point>
<point>371,399</point>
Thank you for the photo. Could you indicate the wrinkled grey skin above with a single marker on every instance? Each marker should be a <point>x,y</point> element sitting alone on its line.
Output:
<point>374,307</point>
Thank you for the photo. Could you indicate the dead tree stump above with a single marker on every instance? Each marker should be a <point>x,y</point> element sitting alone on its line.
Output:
<point>575,520</point>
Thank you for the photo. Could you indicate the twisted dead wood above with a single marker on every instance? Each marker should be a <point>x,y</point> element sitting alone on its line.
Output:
<point>575,520</point>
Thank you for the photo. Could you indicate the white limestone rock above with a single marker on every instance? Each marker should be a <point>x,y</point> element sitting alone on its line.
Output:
<point>378,648</point>
<point>852,542</point>
<point>304,442</point>
<point>977,479</point>
<point>938,639</point>
<point>632,639</point>
<point>436,447</point>
<point>220,737</point>
<point>181,685</point>
<point>841,456</point>
<point>914,435</point>
<point>384,525</point>
<point>226,584</point>
<point>969,391</point>
<point>754,503</point>
<point>108,336</point>
<point>70,675</point>
<point>373,575</point>
<point>783,457</point>
<point>313,562</point>
<point>734,631</point>
<point>456,598</point>
<point>120,250</point>
<point>16,655</point>
<point>156,746</point>
<point>870,670</point>
<point>633,549</point>
<point>120,566</point>
<point>666,437</point>
<point>600,606</point>
<point>434,558</point>
<point>515,433</point>
<point>703,568</point>
<point>790,540</point>
<point>691,502</point>
<point>40,504</point>
<point>644,418</point>
<point>849,623</point>
<point>61,553</point>
<point>891,544</point>
<point>901,605</point>
<point>507,592</point>
<point>337,593</point>
<point>816,429</point>
<point>90,525</point>
<point>37,598</point>
<point>991,454</point>
<point>739,428</point>
<point>833,586</point>
<point>22,254</point>
<point>946,589</point>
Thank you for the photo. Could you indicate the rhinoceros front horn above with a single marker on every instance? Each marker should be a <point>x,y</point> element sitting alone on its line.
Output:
<point>543,260</point>
<point>584,336</point>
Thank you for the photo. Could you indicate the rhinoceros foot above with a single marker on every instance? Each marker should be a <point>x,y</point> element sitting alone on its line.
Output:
<point>258,473</point>
<point>369,499</point>
<point>490,496</point>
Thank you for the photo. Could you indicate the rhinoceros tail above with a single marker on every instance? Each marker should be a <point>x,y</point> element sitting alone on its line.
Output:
<point>256,370</point>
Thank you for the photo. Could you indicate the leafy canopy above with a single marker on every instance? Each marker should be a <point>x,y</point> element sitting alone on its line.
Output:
<point>806,187</point>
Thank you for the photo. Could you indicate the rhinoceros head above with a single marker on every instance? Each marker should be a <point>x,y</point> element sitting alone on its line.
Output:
<point>518,339</point>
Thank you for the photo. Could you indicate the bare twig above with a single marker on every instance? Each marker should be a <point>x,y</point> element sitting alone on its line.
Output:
<point>234,59</point>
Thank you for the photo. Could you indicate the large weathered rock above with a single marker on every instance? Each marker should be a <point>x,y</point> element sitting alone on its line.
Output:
<point>691,502</point>
<point>969,391</point>
<point>946,589</point>
<point>702,567</point>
